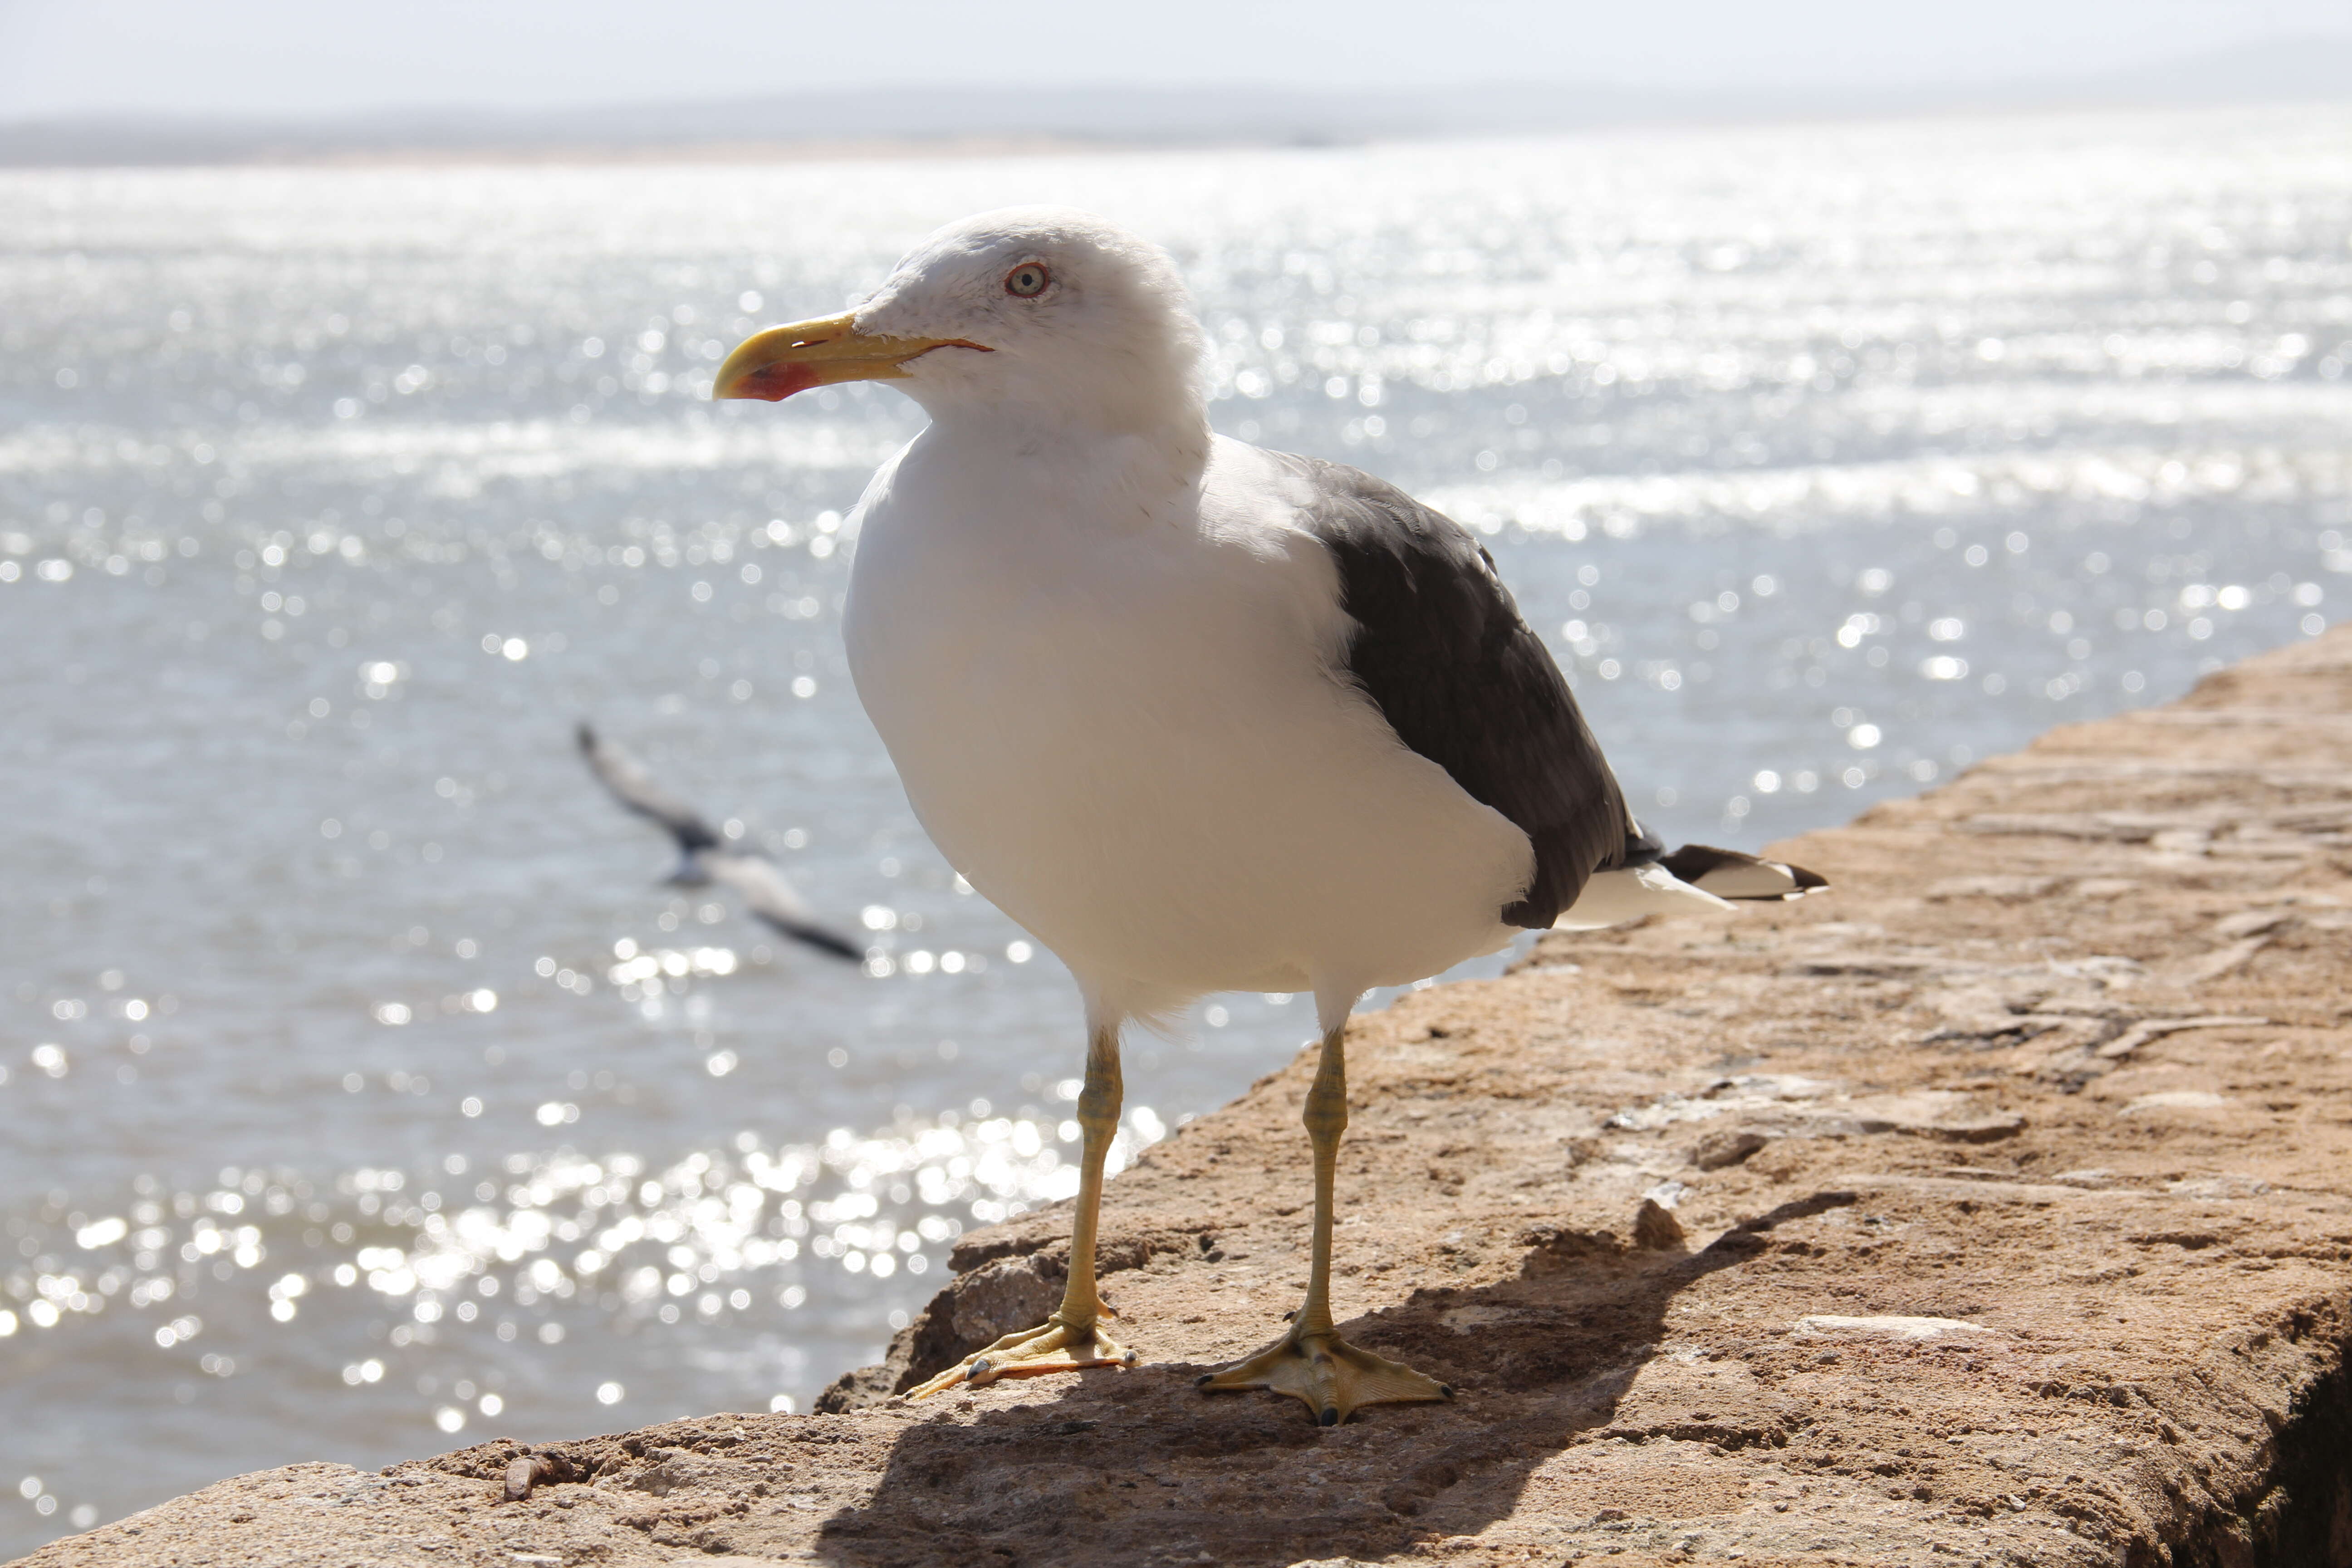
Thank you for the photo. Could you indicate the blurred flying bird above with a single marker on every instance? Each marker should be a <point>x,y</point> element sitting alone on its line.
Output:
<point>1202,717</point>
<point>704,855</point>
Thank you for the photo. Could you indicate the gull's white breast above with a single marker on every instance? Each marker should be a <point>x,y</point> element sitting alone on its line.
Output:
<point>1121,722</point>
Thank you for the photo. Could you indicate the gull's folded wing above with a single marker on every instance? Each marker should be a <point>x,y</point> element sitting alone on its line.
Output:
<point>1441,649</point>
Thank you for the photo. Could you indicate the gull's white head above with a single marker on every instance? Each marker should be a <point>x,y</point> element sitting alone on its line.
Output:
<point>1026,314</point>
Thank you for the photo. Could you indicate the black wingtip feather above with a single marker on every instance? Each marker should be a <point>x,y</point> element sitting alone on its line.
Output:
<point>1694,861</point>
<point>820,939</point>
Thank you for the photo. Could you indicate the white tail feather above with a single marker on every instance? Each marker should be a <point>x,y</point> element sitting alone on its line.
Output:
<point>1630,893</point>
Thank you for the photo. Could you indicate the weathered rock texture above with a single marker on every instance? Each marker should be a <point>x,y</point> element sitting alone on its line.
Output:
<point>1994,1209</point>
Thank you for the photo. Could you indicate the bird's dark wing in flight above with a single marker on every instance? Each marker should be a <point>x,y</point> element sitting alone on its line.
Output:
<point>626,780</point>
<point>761,884</point>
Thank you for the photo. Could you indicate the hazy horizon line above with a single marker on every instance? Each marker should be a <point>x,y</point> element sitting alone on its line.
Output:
<point>901,118</point>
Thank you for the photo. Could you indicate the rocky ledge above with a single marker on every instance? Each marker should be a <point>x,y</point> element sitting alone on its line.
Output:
<point>1995,1208</point>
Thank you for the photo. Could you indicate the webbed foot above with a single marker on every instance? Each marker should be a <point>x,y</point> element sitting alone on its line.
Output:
<point>1056,1346</point>
<point>1331,1375</point>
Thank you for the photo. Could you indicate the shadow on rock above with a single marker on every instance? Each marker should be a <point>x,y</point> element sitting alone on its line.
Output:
<point>1141,1467</point>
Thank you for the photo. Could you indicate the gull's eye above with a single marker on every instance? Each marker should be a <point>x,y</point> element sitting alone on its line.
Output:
<point>1027,281</point>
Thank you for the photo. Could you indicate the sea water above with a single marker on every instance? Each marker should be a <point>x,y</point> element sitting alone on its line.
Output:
<point>363,1095</point>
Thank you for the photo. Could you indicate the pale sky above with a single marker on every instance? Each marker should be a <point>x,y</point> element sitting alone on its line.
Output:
<point>304,57</point>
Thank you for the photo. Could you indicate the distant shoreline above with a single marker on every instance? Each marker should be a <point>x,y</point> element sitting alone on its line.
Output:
<point>584,154</point>
<point>882,149</point>
<point>960,122</point>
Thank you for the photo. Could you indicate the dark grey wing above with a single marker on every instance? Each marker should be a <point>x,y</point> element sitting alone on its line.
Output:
<point>761,883</point>
<point>1440,648</point>
<point>626,779</point>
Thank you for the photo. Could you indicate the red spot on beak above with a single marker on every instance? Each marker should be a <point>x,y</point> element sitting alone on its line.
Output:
<point>774,382</point>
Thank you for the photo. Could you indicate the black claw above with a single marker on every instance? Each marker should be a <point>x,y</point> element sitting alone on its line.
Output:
<point>1329,1418</point>
<point>1446,1389</point>
<point>1204,1379</point>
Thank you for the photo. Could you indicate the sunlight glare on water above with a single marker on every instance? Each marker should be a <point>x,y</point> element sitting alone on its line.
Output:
<point>366,1095</point>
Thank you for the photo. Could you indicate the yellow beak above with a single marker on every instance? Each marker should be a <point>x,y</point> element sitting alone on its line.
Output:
<point>775,363</point>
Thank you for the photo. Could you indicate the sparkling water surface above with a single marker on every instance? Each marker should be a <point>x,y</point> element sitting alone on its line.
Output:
<point>363,1095</point>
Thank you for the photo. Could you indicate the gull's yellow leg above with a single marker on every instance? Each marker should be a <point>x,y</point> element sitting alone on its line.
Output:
<point>1072,1336</point>
<point>1312,1361</point>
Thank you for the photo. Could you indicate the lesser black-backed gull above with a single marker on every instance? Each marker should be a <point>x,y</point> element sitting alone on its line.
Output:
<point>1201,717</point>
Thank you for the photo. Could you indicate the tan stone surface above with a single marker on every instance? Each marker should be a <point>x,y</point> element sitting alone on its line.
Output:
<point>1999,1212</point>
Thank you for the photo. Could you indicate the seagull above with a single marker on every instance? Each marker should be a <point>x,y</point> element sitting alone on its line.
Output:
<point>703,856</point>
<point>1201,717</point>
